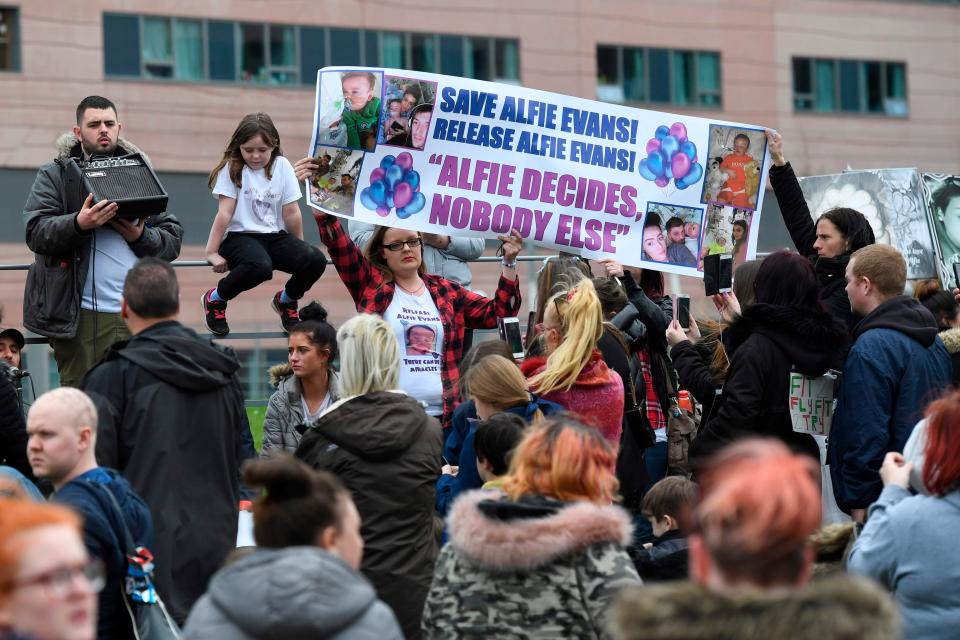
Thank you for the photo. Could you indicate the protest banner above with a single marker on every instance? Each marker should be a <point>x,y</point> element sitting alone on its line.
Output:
<point>811,402</point>
<point>454,156</point>
<point>894,204</point>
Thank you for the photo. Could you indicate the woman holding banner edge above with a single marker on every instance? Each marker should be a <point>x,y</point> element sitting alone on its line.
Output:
<point>389,279</point>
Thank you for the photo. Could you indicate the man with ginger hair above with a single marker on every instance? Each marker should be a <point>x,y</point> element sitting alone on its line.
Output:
<point>62,431</point>
<point>897,364</point>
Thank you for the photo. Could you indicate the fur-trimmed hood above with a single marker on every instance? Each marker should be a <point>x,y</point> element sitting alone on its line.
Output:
<point>68,146</point>
<point>813,339</point>
<point>951,340</point>
<point>829,609</point>
<point>504,535</point>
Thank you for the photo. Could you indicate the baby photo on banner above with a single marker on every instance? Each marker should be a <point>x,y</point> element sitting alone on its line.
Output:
<point>894,203</point>
<point>454,156</point>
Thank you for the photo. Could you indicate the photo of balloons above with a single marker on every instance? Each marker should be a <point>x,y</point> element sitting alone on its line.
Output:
<point>394,184</point>
<point>670,156</point>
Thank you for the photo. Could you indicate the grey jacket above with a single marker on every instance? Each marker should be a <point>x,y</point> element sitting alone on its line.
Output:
<point>449,263</point>
<point>909,546</point>
<point>51,297</point>
<point>285,410</point>
<point>296,593</point>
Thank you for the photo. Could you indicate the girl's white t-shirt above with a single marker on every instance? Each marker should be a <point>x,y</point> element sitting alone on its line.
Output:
<point>416,322</point>
<point>259,199</point>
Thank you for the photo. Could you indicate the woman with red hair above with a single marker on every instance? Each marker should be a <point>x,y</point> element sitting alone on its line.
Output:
<point>909,542</point>
<point>48,583</point>
<point>547,558</point>
<point>750,562</point>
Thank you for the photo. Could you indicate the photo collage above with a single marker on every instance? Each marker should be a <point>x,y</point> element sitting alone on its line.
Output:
<point>358,111</point>
<point>683,236</point>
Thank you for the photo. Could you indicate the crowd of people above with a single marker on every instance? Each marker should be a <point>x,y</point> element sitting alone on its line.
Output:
<point>627,478</point>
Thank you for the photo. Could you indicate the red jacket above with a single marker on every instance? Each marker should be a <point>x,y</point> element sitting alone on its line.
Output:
<point>596,397</point>
<point>459,307</point>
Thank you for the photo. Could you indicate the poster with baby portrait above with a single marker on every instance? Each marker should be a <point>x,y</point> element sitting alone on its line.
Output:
<point>348,113</point>
<point>893,202</point>
<point>726,230</point>
<point>335,184</point>
<point>942,193</point>
<point>735,160</point>
<point>475,159</point>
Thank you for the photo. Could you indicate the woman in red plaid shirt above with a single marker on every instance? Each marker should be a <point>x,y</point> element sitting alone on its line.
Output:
<point>428,313</point>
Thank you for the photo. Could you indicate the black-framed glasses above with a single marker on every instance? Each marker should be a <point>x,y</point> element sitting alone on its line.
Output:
<point>413,243</point>
<point>59,583</point>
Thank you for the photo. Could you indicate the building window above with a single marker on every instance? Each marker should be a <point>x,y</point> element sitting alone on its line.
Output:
<point>166,48</point>
<point>658,76</point>
<point>850,86</point>
<point>9,39</point>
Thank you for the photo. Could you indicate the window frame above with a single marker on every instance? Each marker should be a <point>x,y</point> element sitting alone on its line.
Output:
<point>699,92</point>
<point>16,66</point>
<point>863,98</point>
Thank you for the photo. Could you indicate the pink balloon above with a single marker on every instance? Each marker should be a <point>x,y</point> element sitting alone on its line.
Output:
<point>404,161</point>
<point>402,194</point>
<point>377,174</point>
<point>679,131</point>
<point>680,165</point>
<point>662,181</point>
<point>383,211</point>
<point>652,145</point>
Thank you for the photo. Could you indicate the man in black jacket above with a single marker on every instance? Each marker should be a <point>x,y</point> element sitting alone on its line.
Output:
<point>82,250</point>
<point>172,422</point>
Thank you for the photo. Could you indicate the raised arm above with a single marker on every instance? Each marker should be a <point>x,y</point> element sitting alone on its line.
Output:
<point>793,206</point>
<point>354,269</point>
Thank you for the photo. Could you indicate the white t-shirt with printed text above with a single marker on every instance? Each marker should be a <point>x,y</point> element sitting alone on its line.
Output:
<point>259,200</point>
<point>416,323</point>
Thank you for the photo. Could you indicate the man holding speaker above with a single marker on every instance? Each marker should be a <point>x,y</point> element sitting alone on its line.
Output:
<point>83,250</point>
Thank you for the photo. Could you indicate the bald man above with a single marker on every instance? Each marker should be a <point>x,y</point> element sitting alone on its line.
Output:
<point>62,432</point>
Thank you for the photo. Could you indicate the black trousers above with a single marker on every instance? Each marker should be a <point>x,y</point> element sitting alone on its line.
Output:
<point>252,257</point>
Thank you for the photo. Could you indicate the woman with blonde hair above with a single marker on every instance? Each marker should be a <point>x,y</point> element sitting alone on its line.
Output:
<point>573,374</point>
<point>547,558</point>
<point>493,384</point>
<point>382,445</point>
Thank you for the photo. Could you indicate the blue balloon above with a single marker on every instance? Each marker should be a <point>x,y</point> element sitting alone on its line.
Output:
<point>378,192</point>
<point>662,132</point>
<point>387,162</point>
<point>646,172</point>
<point>390,204</point>
<point>680,184</point>
<point>689,148</point>
<point>367,200</point>
<point>668,171</point>
<point>669,145</point>
<point>412,178</point>
<point>417,202</point>
<point>402,213</point>
<point>656,163</point>
<point>394,174</point>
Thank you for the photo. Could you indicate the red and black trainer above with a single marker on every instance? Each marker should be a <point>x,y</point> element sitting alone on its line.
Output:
<point>289,314</point>
<point>215,314</point>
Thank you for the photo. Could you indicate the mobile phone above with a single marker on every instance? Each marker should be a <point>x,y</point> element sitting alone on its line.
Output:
<point>681,310</point>
<point>510,333</point>
<point>531,329</point>
<point>956,274</point>
<point>711,275</point>
<point>725,278</point>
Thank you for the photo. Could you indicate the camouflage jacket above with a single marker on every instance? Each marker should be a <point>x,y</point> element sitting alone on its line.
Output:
<point>535,568</point>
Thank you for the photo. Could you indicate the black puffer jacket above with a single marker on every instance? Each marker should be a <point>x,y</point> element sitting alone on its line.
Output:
<point>766,343</point>
<point>171,421</point>
<point>387,451</point>
<point>13,428</point>
<point>803,232</point>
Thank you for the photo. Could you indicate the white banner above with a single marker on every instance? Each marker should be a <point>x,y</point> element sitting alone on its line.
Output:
<point>449,155</point>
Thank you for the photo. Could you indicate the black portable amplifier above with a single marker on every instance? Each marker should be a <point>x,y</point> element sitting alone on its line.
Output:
<point>127,180</point>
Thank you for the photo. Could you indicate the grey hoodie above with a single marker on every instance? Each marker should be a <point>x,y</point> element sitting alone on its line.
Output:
<point>292,593</point>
